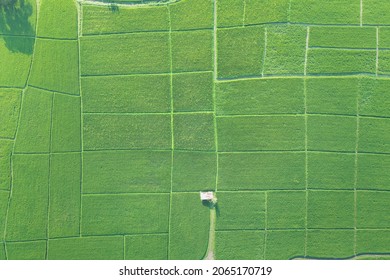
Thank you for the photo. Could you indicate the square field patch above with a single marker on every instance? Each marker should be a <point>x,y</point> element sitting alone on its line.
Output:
<point>373,172</point>
<point>146,247</point>
<point>373,210</point>
<point>285,244</point>
<point>330,243</point>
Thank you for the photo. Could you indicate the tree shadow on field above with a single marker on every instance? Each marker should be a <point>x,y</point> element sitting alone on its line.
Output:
<point>212,205</point>
<point>14,20</point>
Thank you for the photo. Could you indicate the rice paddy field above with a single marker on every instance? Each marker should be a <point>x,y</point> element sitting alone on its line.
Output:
<point>115,115</point>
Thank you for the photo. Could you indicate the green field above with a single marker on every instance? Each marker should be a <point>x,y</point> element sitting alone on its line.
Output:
<point>114,115</point>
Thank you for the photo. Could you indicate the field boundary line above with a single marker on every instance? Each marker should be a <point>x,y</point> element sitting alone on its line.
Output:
<point>142,74</point>
<point>361,13</point>
<point>265,224</point>
<point>149,113</point>
<point>215,72</point>
<point>265,51</point>
<point>54,91</point>
<point>243,14</point>
<point>343,48</point>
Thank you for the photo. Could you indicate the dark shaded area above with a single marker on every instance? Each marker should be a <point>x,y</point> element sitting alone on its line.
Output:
<point>14,20</point>
<point>113,8</point>
<point>211,205</point>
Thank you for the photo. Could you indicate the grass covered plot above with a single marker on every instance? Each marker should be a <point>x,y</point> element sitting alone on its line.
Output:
<point>57,20</point>
<point>140,53</point>
<point>341,61</point>
<point>109,132</point>
<point>193,92</point>
<point>66,130</point>
<point>192,14</point>
<point>373,241</point>
<point>146,247</point>
<point>19,20</point>
<point>230,12</point>
<point>3,211</point>
<point>330,209</point>
<point>372,137</point>
<point>328,12</point>
<point>192,51</point>
<point>189,228</point>
<point>373,209</point>
<point>127,94</point>
<point>125,214</point>
<point>240,52</point>
<point>56,66</point>
<point>375,12</point>
<point>9,111</point>
<point>239,245</point>
<point>266,11</point>
<point>343,37</point>
<point>35,250</point>
<point>265,96</point>
<point>261,133</point>
<point>332,95</point>
<point>331,171</point>
<point>194,132</point>
<point>15,53</point>
<point>6,147</point>
<point>101,20</point>
<point>27,216</point>
<point>374,99</point>
<point>286,48</point>
<point>384,62</point>
<point>331,133</point>
<point>2,251</point>
<point>194,171</point>
<point>284,245</point>
<point>373,172</point>
<point>64,210</point>
<point>87,248</point>
<point>330,243</point>
<point>126,171</point>
<point>286,209</point>
<point>241,210</point>
<point>35,122</point>
<point>262,171</point>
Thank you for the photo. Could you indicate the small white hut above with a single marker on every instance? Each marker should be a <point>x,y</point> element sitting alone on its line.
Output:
<point>207,196</point>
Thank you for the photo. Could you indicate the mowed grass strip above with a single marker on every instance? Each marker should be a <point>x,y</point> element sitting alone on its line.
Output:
<point>142,53</point>
<point>262,171</point>
<point>64,210</point>
<point>126,171</point>
<point>373,172</point>
<point>101,20</point>
<point>125,214</point>
<point>189,228</point>
<point>373,210</point>
<point>9,111</point>
<point>284,244</point>
<point>6,147</point>
<point>35,122</point>
<point>27,216</point>
<point>127,94</point>
<point>34,250</point>
<point>146,247</point>
<point>372,137</point>
<point>86,248</point>
<point>373,241</point>
<point>266,11</point>
<point>241,210</point>
<point>191,14</point>
<point>265,96</point>
<point>373,98</point>
<point>127,132</point>
<point>261,133</point>
<point>230,12</point>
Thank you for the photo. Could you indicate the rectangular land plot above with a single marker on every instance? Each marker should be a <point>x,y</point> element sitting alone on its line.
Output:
<point>56,66</point>
<point>35,250</point>
<point>341,61</point>
<point>191,14</point>
<point>325,12</point>
<point>27,216</point>
<point>262,96</point>
<point>384,37</point>
<point>374,97</point>
<point>125,214</point>
<point>142,53</point>
<point>331,171</point>
<point>64,210</point>
<point>146,247</point>
<point>241,210</point>
<point>286,209</point>
<point>284,245</point>
<point>192,51</point>
<point>4,195</point>
<point>9,111</point>
<point>384,62</point>
<point>239,245</point>
<point>373,172</point>
<point>126,171</point>
<point>26,12</point>
<point>261,133</point>
<point>87,248</point>
<point>66,130</point>
<point>59,20</point>
<point>6,147</point>
<point>194,171</point>
<point>105,131</point>
<point>127,94</point>
<point>230,12</point>
<point>240,52</point>
<point>372,137</point>
<point>189,228</point>
<point>373,210</point>
<point>2,251</point>
<point>262,171</point>
<point>373,241</point>
<point>286,48</point>
<point>35,122</point>
<point>266,11</point>
<point>329,95</point>
<point>330,243</point>
<point>330,209</point>
<point>101,20</point>
<point>375,12</point>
